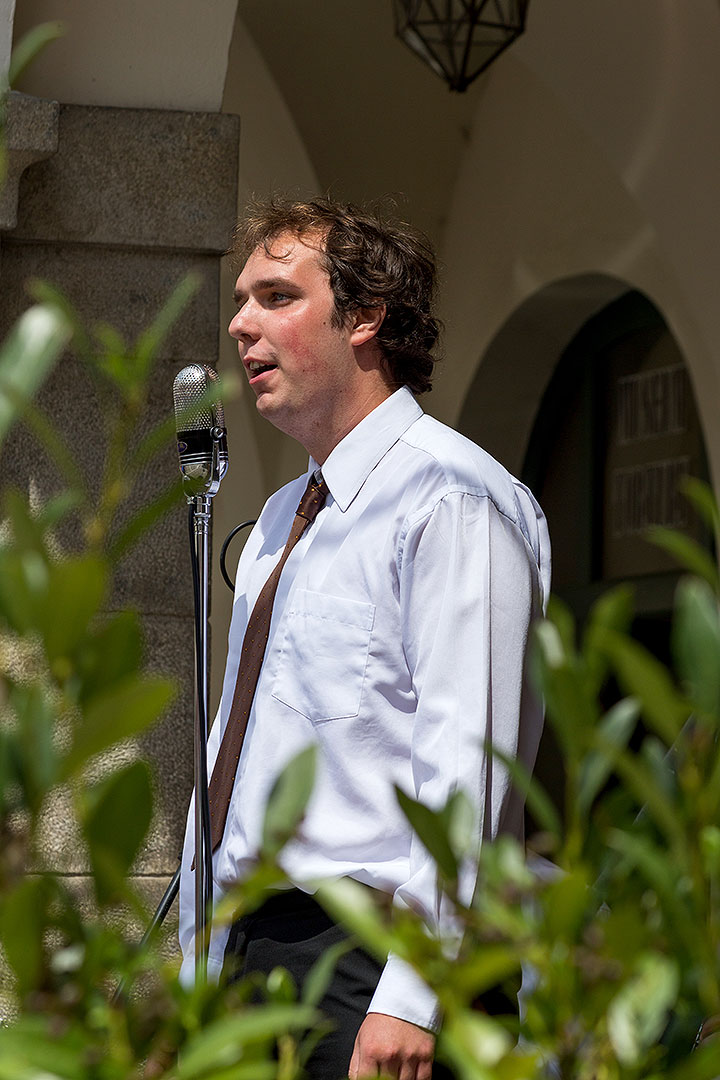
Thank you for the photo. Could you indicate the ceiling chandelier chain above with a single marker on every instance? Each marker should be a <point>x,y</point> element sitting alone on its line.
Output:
<point>458,39</point>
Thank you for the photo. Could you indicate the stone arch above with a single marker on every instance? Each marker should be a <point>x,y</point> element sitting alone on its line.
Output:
<point>502,401</point>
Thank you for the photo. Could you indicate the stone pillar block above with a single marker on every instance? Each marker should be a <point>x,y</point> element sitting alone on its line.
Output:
<point>31,134</point>
<point>125,204</point>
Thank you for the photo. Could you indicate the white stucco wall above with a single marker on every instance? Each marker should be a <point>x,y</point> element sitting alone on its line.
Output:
<point>593,150</point>
<point>137,54</point>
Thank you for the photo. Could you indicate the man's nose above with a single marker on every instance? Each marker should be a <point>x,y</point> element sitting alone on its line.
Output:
<point>243,323</point>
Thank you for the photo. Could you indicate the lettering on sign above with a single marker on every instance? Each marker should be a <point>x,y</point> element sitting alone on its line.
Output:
<point>653,444</point>
<point>651,403</point>
<point>648,494</point>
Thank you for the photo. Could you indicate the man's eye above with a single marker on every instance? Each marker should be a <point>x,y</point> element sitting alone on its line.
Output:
<point>279,297</point>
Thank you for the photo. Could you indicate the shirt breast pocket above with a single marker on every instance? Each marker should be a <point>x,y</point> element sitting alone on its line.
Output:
<point>323,655</point>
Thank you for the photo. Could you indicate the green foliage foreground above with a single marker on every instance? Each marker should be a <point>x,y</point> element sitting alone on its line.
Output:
<point>616,938</point>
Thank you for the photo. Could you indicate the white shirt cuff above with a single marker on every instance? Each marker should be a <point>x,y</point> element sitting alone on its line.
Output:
<point>402,993</point>
<point>187,970</point>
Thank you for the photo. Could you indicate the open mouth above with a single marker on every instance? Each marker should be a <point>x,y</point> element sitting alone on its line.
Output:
<point>256,368</point>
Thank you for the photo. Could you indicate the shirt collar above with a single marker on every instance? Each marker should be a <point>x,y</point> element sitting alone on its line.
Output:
<point>353,459</point>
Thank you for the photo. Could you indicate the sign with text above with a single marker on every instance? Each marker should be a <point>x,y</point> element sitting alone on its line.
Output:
<point>653,442</point>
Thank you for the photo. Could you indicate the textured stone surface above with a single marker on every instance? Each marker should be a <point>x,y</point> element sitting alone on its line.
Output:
<point>31,124</point>
<point>31,134</point>
<point>148,178</point>
<point>155,574</point>
<point>168,747</point>
<point>123,288</point>
<point>132,201</point>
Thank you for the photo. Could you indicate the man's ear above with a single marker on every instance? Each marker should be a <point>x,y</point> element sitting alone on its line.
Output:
<point>366,321</point>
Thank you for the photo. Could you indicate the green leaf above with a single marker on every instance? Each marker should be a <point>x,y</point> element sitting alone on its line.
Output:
<point>23,587</point>
<point>37,754</point>
<point>661,766</point>
<point>638,1013</point>
<point>30,44</point>
<point>488,966</point>
<point>57,508</point>
<point>255,1069</point>
<point>537,799</point>
<point>30,1050</point>
<point>115,824</point>
<point>76,590</point>
<point>287,802</point>
<point>702,497</point>
<point>612,611</point>
<point>124,710</point>
<point>223,1043</point>
<point>151,339</point>
<point>141,522</point>
<point>26,357</point>
<point>351,904</point>
<point>431,826</point>
<point>471,1039</point>
<point>688,553</point>
<point>661,874</point>
<point>644,677</point>
<point>280,987</point>
<point>704,1064</point>
<point>560,616</point>
<point>162,435</point>
<point>569,692</point>
<point>22,927</point>
<point>567,903</point>
<point>48,294</point>
<point>696,643</point>
<point>57,450</point>
<point>24,525</point>
<point>710,848</point>
<point>320,975</point>
<point>111,654</point>
<point>462,826</point>
<point>612,733</point>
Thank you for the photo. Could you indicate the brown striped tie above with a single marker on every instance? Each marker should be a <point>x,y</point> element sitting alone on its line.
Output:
<point>251,658</point>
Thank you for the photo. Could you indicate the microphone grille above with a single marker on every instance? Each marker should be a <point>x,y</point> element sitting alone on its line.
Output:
<point>190,387</point>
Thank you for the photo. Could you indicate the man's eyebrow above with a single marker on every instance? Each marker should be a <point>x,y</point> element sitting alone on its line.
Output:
<point>262,285</point>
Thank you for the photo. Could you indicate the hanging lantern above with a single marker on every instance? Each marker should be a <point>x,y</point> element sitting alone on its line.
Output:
<point>459,38</point>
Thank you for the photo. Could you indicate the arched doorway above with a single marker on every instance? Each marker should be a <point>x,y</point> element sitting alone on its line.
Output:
<point>584,394</point>
<point>616,434</point>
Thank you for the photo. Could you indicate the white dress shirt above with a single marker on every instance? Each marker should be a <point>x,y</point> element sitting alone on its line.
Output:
<point>397,646</point>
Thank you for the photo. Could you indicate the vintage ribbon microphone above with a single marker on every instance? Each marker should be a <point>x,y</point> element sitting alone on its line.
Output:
<point>202,449</point>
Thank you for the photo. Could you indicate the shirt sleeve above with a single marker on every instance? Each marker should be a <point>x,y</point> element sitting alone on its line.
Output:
<point>469,590</point>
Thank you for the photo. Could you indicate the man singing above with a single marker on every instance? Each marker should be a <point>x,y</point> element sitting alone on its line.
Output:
<point>384,598</point>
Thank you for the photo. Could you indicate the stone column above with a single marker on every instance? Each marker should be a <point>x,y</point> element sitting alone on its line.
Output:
<point>130,202</point>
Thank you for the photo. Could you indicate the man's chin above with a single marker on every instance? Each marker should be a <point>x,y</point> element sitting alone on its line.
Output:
<point>272,410</point>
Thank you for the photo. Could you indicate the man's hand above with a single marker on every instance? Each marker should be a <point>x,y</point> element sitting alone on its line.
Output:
<point>392,1047</point>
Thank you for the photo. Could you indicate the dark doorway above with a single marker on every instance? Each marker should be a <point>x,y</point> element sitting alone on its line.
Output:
<point>616,432</point>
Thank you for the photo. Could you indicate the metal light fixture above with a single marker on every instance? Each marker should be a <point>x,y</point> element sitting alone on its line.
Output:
<point>459,38</point>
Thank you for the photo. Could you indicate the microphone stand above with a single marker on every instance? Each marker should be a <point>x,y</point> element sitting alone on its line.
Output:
<point>200,518</point>
<point>199,494</point>
<point>202,447</point>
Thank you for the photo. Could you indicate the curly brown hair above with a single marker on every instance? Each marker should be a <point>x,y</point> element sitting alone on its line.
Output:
<point>370,261</point>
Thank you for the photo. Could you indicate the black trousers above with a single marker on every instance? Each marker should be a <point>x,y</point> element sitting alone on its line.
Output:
<point>291,930</point>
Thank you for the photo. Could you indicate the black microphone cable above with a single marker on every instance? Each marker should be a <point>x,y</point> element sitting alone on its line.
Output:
<point>223,551</point>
